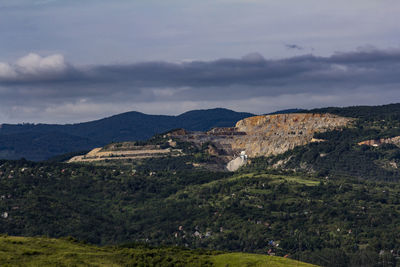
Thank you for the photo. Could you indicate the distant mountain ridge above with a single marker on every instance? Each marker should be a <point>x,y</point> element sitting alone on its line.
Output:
<point>288,111</point>
<point>42,141</point>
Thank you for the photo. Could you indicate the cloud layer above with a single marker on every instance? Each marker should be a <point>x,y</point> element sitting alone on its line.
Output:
<point>46,88</point>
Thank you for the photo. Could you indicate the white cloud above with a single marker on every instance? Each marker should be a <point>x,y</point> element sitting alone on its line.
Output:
<point>6,71</point>
<point>35,64</point>
<point>31,66</point>
<point>253,57</point>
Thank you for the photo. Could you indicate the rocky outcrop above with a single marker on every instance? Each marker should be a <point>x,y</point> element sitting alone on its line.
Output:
<point>377,142</point>
<point>267,134</point>
<point>235,164</point>
<point>275,134</point>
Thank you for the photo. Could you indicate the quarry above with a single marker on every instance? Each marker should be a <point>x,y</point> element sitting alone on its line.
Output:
<point>125,150</point>
<point>256,136</point>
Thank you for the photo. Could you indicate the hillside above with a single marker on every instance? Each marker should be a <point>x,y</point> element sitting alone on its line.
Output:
<point>364,113</point>
<point>313,219</point>
<point>365,146</point>
<point>41,145</point>
<point>42,141</point>
<point>254,136</point>
<point>25,251</point>
<point>334,202</point>
<point>368,149</point>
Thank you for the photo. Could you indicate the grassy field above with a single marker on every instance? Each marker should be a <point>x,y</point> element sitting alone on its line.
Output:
<point>37,251</point>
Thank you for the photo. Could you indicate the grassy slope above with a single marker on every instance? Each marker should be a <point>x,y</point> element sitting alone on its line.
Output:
<point>245,259</point>
<point>28,251</point>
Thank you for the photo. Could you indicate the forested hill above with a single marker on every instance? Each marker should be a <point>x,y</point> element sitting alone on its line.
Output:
<point>328,222</point>
<point>363,112</point>
<point>41,141</point>
<point>340,153</point>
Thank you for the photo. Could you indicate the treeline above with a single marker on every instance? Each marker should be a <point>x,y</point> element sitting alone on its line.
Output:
<point>365,113</point>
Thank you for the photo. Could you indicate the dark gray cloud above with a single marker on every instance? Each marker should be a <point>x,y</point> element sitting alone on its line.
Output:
<point>294,46</point>
<point>376,66</point>
<point>47,84</point>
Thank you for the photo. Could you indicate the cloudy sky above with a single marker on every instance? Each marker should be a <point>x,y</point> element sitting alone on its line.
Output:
<point>65,61</point>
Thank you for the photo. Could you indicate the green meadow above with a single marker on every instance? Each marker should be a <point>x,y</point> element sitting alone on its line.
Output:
<point>40,251</point>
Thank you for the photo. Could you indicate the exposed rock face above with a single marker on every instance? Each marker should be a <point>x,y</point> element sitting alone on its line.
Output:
<point>120,151</point>
<point>377,142</point>
<point>235,164</point>
<point>275,134</point>
<point>267,134</point>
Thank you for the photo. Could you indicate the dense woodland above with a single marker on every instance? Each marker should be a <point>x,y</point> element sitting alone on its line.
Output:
<point>313,219</point>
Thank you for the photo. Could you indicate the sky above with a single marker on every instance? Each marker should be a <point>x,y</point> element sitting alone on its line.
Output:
<point>66,61</point>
